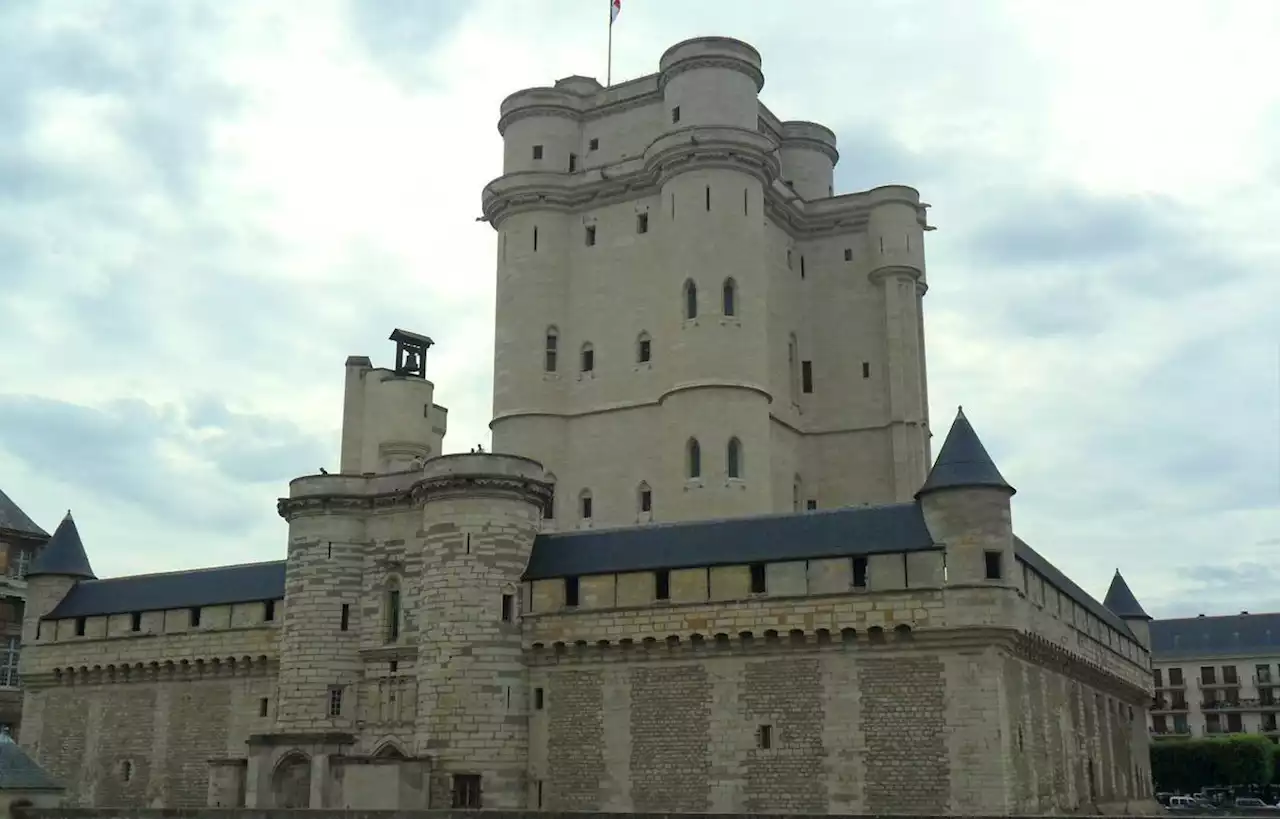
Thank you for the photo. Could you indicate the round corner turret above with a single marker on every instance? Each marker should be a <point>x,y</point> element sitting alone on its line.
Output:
<point>711,81</point>
<point>541,128</point>
<point>809,157</point>
<point>895,229</point>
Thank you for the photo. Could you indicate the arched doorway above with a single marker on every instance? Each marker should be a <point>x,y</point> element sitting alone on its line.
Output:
<point>291,782</point>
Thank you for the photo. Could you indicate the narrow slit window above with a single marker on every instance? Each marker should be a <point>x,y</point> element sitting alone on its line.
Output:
<point>591,235</point>
<point>263,705</point>
<point>588,359</point>
<point>194,615</point>
<point>806,376</point>
<point>744,201</point>
<point>535,239</point>
<point>552,345</point>
<point>539,699</point>
<point>537,152</point>
<point>646,499</point>
<point>764,737</point>
<point>759,584</point>
<point>508,608</point>
<point>690,300</point>
<point>573,163</point>
<point>848,254</point>
<point>708,198</point>
<point>644,350</point>
<point>344,623</point>
<point>571,591</point>
<point>802,266</point>
<point>268,611</point>
<point>642,223</point>
<point>587,507</point>
<point>675,114</point>
<point>994,565</point>
<point>135,621</point>
<point>866,369</point>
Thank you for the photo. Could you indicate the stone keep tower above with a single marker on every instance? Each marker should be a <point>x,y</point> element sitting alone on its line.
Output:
<point>689,323</point>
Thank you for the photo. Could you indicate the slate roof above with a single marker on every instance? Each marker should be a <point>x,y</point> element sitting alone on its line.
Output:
<point>1121,600</point>
<point>63,554</point>
<point>13,519</point>
<point>19,772</point>
<point>963,462</point>
<point>1036,561</point>
<point>854,530</point>
<point>1229,635</point>
<point>221,586</point>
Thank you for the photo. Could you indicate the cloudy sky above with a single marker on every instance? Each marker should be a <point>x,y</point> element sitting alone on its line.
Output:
<point>206,206</point>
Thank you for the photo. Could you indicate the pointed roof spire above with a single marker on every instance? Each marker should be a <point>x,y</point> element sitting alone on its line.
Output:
<point>13,519</point>
<point>63,554</point>
<point>1121,602</point>
<point>963,462</point>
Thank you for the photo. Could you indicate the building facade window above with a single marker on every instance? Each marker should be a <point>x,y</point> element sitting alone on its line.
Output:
<point>549,508</point>
<point>552,347</point>
<point>793,367</point>
<point>335,700</point>
<point>733,458</point>
<point>9,663</point>
<point>730,297</point>
<point>693,456</point>
<point>588,358</point>
<point>393,615</point>
<point>585,509</point>
<point>644,349</point>
<point>19,560</point>
<point>644,498</point>
<point>690,300</point>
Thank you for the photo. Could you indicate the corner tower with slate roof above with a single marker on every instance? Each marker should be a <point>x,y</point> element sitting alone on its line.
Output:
<point>440,635</point>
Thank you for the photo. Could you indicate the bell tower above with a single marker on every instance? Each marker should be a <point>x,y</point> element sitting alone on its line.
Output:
<point>390,422</point>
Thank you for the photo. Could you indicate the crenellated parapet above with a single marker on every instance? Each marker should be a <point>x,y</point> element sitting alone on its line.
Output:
<point>185,669</point>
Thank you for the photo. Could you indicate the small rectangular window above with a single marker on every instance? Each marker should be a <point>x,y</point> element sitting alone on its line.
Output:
<point>135,621</point>
<point>537,152</point>
<point>393,615</point>
<point>588,360</point>
<point>995,569</point>
<point>195,617</point>
<point>549,508</point>
<point>811,504</point>
<point>594,144</point>
<point>646,501</point>
<point>80,626</point>
<point>587,508</point>
<point>644,351</point>
<point>535,240</point>
<point>426,410</point>
<point>335,700</point>
<point>802,266</point>
<point>662,585</point>
<point>262,707</point>
<point>758,584</point>
<point>573,163</point>
<point>708,198</point>
<point>466,791</point>
<point>866,369</point>
<point>571,591</point>
<point>345,623</point>
<point>539,699</point>
<point>848,254</point>
<point>508,608</point>
<point>764,737</point>
<point>268,611</point>
<point>642,223</point>
<point>859,572</point>
<point>591,235</point>
<point>675,114</point>
<point>806,376</point>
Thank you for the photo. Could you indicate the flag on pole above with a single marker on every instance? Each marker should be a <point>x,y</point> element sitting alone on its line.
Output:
<point>615,8</point>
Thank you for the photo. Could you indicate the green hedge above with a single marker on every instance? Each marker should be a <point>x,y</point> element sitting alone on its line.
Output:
<point>1188,765</point>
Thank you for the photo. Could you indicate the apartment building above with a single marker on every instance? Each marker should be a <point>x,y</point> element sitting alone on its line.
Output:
<point>1216,675</point>
<point>20,538</point>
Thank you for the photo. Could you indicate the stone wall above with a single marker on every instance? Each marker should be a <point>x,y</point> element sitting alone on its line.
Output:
<point>214,813</point>
<point>919,724</point>
<point>144,743</point>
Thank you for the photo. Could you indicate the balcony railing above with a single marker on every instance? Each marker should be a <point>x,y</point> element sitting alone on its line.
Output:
<point>1171,732</point>
<point>1216,683</point>
<point>1241,704</point>
<point>1172,685</point>
<point>1159,706</point>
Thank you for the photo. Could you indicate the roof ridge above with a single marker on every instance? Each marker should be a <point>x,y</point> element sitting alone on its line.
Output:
<point>675,524</point>
<point>187,571</point>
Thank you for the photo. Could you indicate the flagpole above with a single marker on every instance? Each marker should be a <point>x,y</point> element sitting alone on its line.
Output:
<point>608,76</point>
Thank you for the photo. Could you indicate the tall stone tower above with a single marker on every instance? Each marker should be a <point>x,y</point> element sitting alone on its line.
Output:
<point>690,324</point>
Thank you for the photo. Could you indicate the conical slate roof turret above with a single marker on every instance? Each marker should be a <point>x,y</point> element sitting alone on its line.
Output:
<point>1121,602</point>
<point>63,555</point>
<point>963,462</point>
<point>13,519</point>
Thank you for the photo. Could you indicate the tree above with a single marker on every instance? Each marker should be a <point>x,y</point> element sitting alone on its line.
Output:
<point>1189,765</point>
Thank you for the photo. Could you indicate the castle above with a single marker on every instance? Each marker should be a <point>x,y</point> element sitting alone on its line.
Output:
<point>707,567</point>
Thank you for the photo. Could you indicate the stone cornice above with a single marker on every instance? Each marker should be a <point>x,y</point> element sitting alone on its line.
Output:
<point>723,61</point>
<point>1049,655</point>
<point>204,668</point>
<point>437,486</point>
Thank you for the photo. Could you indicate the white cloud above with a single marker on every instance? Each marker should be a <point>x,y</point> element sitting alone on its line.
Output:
<point>227,201</point>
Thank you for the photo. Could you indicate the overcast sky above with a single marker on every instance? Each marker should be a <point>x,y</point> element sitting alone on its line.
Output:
<point>206,206</point>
